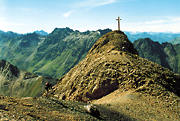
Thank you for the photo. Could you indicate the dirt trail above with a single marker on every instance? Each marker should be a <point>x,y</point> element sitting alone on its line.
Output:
<point>141,106</point>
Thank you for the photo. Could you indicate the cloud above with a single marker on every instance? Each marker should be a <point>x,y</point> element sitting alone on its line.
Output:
<point>6,25</point>
<point>68,13</point>
<point>88,4</point>
<point>155,22</point>
<point>177,19</point>
<point>169,24</point>
<point>103,2</point>
<point>94,3</point>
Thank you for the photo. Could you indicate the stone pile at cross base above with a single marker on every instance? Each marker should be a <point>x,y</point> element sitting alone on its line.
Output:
<point>113,64</point>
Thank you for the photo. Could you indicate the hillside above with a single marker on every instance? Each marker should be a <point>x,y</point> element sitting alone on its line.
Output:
<point>165,54</point>
<point>112,72</point>
<point>17,83</point>
<point>51,55</point>
<point>17,50</point>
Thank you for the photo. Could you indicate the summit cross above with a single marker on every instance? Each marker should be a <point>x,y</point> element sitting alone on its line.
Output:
<point>118,19</point>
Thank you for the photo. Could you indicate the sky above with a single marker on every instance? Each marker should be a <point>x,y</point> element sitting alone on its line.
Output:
<point>23,16</point>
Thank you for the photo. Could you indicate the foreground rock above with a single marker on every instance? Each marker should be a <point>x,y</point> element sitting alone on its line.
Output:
<point>93,110</point>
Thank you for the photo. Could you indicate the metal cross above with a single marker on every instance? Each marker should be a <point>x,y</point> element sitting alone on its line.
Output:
<point>118,19</point>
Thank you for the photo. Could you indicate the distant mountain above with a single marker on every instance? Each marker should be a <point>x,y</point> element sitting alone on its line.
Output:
<point>41,32</point>
<point>7,36</point>
<point>17,50</point>
<point>155,36</point>
<point>165,54</point>
<point>17,83</point>
<point>175,41</point>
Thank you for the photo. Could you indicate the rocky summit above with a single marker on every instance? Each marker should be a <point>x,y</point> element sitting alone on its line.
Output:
<point>111,64</point>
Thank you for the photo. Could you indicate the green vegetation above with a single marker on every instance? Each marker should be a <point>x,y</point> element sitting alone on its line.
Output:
<point>51,55</point>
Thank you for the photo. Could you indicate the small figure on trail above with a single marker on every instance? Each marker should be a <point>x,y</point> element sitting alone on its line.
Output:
<point>48,86</point>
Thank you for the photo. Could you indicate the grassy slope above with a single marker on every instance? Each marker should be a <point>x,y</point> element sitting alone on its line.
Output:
<point>22,87</point>
<point>14,82</point>
<point>47,55</point>
<point>33,89</point>
<point>59,58</point>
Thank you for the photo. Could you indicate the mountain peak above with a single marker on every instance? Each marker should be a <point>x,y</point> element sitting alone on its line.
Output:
<point>115,40</point>
<point>41,32</point>
<point>62,29</point>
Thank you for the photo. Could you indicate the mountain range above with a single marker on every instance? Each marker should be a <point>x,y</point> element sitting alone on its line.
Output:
<point>56,53</point>
<point>50,55</point>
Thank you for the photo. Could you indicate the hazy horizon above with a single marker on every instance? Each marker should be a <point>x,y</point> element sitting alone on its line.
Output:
<point>132,32</point>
